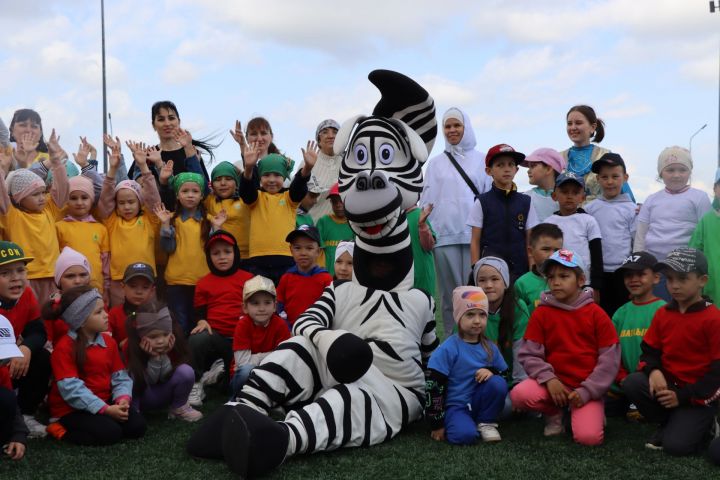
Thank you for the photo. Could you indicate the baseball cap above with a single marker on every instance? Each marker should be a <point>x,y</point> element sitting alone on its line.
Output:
<point>684,260</point>
<point>638,261</point>
<point>258,284</point>
<point>329,123</point>
<point>564,257</point>
<point>12,252</point>
<point>548,156</point>
<point>610,159</point>
<point>220,236</point>
<point>304,230</point>
<point>8,342</point>
<point>139,270</point>
<point>503,149</point>
<point>334,190</point>
<point>569,177</point>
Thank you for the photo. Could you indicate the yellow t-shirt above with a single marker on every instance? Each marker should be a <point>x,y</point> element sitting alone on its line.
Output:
<point>238,220</point>
<point>35,233</point>
<point>187,264</point>
<point>90,239</point>
<point>131,242</point>
<point>272,217</point>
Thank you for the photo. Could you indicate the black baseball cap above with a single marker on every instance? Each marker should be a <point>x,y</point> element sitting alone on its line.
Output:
<point>139,270</point>
<point>610,159</point>
<point>304,230</point>
<point>684,260</point>
<point>638,261</point>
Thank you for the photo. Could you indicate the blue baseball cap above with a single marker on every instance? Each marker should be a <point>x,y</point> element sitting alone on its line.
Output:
<point>566,258</point>
<point>569,177</point>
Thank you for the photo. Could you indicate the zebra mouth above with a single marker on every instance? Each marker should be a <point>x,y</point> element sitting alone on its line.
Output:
<point>379,228</point>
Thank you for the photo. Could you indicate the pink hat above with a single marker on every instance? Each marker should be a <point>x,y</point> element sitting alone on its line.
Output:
<point>82,184</point>
<point>468,298</point>
<point>130,185</point>
<point>548,156</point>
<point>70,258</point>
<point>22,183</point>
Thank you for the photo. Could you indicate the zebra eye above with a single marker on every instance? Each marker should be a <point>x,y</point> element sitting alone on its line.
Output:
<point>386,152</point>
<point>361,154</point>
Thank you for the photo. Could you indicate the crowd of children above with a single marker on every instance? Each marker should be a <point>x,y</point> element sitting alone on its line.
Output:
<point>124,295</point>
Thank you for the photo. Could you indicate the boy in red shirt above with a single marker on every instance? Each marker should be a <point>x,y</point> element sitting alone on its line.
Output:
<point>258,331</point>
<point>679,382</point>
<point>138,286</point>
<point>302,284</point>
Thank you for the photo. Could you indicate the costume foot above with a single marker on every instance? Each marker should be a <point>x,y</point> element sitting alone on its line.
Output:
<point>206,441</point>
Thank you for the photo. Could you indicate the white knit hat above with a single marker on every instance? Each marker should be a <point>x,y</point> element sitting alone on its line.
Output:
<point>23,182</point>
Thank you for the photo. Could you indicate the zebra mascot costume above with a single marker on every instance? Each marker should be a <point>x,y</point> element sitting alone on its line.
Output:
<point>353,374</point>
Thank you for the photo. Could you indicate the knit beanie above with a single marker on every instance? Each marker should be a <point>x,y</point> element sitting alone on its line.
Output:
<point>22,183</point>
<point>497,263</point>
<point>78,312</point>
<point>130,185</point>
<point>225,169</point>
<point>146,322</point>
<point>672,155</point>
<point>226,237</point>
<point>274,163</point>
<point>70,258</point>
<point>188,177</point>
<point>468,298</point>
<point>82,184</point>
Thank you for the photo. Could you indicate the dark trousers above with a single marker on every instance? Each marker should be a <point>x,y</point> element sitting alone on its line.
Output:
<point>85,428</point>
<point>33,387</point>
<point>180,302</point>
<point>206,348</point>
<point>684,428</point>
<point>8,407</point>
<point>613,294</point>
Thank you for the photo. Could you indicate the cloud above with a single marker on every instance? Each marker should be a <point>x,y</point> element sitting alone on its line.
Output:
<point>178,72</point>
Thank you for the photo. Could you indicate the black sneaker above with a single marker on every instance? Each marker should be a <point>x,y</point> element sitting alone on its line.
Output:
<point>655,441</point>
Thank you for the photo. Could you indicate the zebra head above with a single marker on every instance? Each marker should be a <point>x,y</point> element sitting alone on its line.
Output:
<point>396,139</point>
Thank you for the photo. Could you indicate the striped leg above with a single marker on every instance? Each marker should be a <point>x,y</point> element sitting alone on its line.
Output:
<point>367,412</point>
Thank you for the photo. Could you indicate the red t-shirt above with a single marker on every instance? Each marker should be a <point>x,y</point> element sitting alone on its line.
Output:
<point>298,292</point>
<point>688,342</point>
<point>259,339</point>
<point>116,323</point>
<point>100,364</point>
<point>25,310</point>
<point>5,380</point>
<point>571,339</point>
<point>222,296</point>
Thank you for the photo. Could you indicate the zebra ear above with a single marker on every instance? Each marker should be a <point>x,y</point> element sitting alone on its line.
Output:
<point>343,135</point>
<point>418,147</point>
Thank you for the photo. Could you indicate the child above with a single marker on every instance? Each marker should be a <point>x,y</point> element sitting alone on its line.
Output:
<point>79,230</point>
<point>71,270</point>
<point>307,203</point>
<point>633,319</point>
<point>138,287</point>
<point>570,353</point>
<point>545,239</point>
<point>302,284</point>
<point>218,305</point>
<point>502,219</point>
<point>544,165</point>
<point>258,332</point>
<point>581,232</point>
<point>157,363</point>
<point>333,227</point>
<point>615,213</point>
<point>91,391</point>
<point>678,382</point>
<point>668,218</point>
<point>31,373</point>
<point>13,432</point>
<point>273,209</point>
<point>182,236</point>
<point>422,242</point>
<point>706,238</point>
<point>465,392</point>
<point>28,217</point>
<point>132,230</point>
<point>344,261</point>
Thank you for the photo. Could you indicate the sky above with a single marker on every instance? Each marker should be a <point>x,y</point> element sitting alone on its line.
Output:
<point>649,68</point>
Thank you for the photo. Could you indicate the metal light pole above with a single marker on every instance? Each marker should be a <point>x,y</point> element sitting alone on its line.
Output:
<point>693,135</point>
<point>104,83</point>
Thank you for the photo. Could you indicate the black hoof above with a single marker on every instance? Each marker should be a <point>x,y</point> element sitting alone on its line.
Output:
<point>236,443</point>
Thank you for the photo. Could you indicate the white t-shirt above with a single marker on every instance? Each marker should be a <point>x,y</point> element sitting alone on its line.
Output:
<point>671,219</point>
<point>544,204</point>
<point>578,229</point>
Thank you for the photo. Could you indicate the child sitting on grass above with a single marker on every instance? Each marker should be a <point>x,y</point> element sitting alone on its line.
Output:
<point>570,353</point>
<point>344,261</point>
<point>13,431</point>
<point>465,392</point>
<point>72,269</point>
<point>138,286</point>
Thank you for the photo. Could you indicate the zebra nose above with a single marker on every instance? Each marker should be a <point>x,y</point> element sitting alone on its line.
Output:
<point>362,182</point>
<point>378,181</point>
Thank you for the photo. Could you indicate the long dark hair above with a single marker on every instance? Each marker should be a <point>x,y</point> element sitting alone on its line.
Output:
<point>53,310</point>
<point>28,114</point>
<point>138,358</point>
<point>203,145</point>
<point>506,328</point>
<point>589,113</point>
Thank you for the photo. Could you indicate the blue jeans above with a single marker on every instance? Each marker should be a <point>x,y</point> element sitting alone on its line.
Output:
<point>239,378</point>
<point>485,406</point>
<point>180,302</point>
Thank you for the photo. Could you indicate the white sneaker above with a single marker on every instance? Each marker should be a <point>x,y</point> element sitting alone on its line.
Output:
<point>37,429</point>
<point>186,412</point>
<point>554,425</point>
<point>489,432</point>
<point>197,395</point>
<point>211,376</point>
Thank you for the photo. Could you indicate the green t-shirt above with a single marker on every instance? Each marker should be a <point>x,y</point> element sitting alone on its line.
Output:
<point>303,219</point>
<point>423,262</point>
<point>631,321</point>
<point>520,323</point>
<point>528,289</point>
<point>707,238</point>
<point>333,230</point>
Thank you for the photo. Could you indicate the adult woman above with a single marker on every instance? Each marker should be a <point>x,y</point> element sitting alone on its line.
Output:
<point>327,168</point>
<point>451,197</point>
<point>27,133</point>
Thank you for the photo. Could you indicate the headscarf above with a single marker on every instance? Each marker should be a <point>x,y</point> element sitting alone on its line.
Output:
<point>131,185</point>
<point>343,247</point>
<point>274,163</point>
<point>22,183</point>
<point>188,177</point>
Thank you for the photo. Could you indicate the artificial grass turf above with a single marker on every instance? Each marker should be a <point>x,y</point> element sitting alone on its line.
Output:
<point>523,453</point>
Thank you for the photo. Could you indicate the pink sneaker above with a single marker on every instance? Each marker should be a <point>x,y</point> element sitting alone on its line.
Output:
<point>186,412</point>
<point>554,425</point>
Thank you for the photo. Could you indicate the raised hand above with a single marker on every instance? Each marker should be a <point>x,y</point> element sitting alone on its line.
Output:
<point>310,155</point>
<point>162,213</point>
<point>426,211</point>
<point>136,148</point>
<point>154,156</point>
<point>239,136</point>
<point>57,154</point>
<point>81,157</point>
<point>251,155</point>
<point>115,152</point>
<point>219,219</point>
<point>166,172</point>
<point>183,137</point>
<point>27,143</point>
